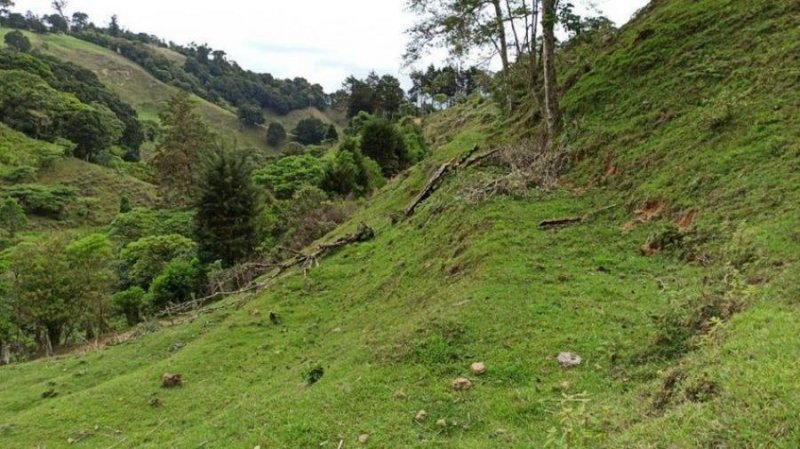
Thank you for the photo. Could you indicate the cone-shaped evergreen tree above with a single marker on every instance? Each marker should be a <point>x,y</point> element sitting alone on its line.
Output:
<point>226,222</point>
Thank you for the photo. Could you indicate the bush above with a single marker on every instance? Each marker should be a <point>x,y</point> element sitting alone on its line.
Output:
<point>276,134</point>
<point>131,303</point>
<point>18,41</point>
<point>310,131</point>
<point>145,258</point>
<point>45,201</point>
<point>179,281</point>
<point>284,177</point>
<point>381,141</point>
<point>12,217</point>
<point>250,115</point>
<point>350,172</point>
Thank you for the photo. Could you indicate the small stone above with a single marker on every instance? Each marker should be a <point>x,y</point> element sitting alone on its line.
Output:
<point>171,380</point>
<point>441,423</point>
<point>462,384</point>
<point>255,312</point>
<point>422,416</point>
<point>363,438</point>
<point>569,359</point>
<point>399,394</point>
<point>478,368</point>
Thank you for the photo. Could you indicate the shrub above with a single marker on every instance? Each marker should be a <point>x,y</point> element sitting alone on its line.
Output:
<point>45,201</point>
<point>381,141</point>
<point>179,281</point>
<point>250,115</point>
<point>309,131</point>
<point>131,303</point>
<point>145,258</point>
<point>18,41</point>
<point>12,217</point>
<point>276,134</point>
<point>285,176</point>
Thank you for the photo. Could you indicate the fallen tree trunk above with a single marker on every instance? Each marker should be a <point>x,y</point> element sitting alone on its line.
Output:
<point>444,170</point>
<point>363,234</point>
<point>560,223</point>
<point>569,221</point>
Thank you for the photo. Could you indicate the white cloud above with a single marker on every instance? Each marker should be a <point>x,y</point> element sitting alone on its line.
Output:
<point>321,40</point>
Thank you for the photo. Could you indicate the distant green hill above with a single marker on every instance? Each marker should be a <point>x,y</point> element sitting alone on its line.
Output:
<point>676,281</point>
<point>147,94</point>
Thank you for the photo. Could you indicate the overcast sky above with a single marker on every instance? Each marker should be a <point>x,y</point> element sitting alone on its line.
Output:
<point>321,40</point>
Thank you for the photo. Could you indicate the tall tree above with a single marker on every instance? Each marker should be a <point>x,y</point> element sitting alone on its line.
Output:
<point>12,217</point>
<point>227,210</point>
<point>113,26</point>
<point>177,159</point>
<point>60,6</point>
<point>5,8</point>
<point>552,108</point>
<point>80,21</point>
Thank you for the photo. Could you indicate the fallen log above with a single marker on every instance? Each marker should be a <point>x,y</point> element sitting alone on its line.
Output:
<point>560,223</point>
<point>440,174</point>
<point>363,234</point>
<point>569,221</point>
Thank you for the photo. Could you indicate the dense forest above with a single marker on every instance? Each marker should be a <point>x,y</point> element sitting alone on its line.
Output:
<point>594,245</point>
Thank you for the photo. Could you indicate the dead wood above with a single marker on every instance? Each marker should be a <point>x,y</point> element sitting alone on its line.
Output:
<point>273,271</point>
<point>443,171</point>
<point>569,221</point>
<point>560,223</point>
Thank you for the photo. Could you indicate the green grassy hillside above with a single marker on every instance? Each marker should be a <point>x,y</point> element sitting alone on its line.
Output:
<point>682,300</point>
<point>98,189</point>
<point>147,94</point>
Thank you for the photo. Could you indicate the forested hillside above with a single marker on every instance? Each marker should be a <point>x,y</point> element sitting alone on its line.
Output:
<point>596,246</point>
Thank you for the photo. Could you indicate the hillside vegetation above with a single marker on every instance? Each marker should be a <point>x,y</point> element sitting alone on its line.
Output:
<point>148,95</point>
<point>676,281</point>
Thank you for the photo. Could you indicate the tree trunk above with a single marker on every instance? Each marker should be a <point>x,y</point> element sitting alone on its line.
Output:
<point>5,354</point>
<point>533,58</point>
<point>501,35</point>
<point>552,109</point>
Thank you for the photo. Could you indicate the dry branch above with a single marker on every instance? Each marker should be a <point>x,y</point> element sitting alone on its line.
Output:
<point>441,173</point>
<point>564,222</point>
<point>363,234</point>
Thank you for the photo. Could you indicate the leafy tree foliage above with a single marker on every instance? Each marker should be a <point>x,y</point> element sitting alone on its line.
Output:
<point>350,172</point>
<point>276,134</point>
<point>251,115</point>
<point>381,141</point>
<point>12,217</point>
<point>226,222</point>
<point>177,159</point>
<point>177,283</point>
<point>284,177</point>
<point>18,41</point>
<point>58,24</point>
<point>60,287</point>
<point>332,135</point>
<point>375,95</point>
<point>80,21</point>
<point>44,201</point>
<point>309,131</point>
<point>146,258</point>
<point>24,73</point>
<point>132,303</point>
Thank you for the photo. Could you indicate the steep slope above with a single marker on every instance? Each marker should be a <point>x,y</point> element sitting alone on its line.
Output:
<point>687,124</point>
<point>147,94</point>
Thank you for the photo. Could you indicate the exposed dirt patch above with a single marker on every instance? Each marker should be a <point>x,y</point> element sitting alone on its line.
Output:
<point>651,210</point>
<point>685,221</point>
<point>611,170</point>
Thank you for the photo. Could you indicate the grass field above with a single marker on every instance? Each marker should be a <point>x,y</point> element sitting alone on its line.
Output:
<point>682,299</point>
